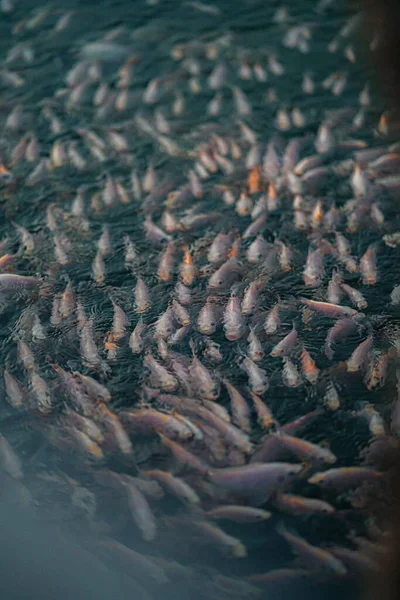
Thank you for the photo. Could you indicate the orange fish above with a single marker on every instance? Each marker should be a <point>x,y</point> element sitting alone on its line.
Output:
<point>272,198</point>
<point>3,171</point>
<point>310,370</point>
<point>110,346</point>
<point>235,250</point>
<point>254,180</point>
<point>187,269</point>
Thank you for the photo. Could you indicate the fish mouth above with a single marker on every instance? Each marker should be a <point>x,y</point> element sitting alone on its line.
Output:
<point>141,308</point>
<point>233,337</point>
<point>275,353</point>
<point>211,394</point>
<point>170,387</point>
<point>214,286</point>
<point>207,330</point>
<point>259,391</point>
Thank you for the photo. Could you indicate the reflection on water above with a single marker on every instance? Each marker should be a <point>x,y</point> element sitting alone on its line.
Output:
<point>197,275</point>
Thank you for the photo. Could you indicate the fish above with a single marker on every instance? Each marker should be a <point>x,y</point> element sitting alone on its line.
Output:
<point>360,355</point>
<point>14,391</point>
<point>257,378</point>
<point>203,382</point>
<point>238,514</point>
<point>219,248</point>
<point>314,268</point>
<point>376,374</point>
<point>132,562</point>
<point>207,319</point>
<point>136,343</point>
<point>329,310</point>
<point>344,478</point>
<point>86,426</point>
<point>12,283</point>
<point>368,266</point>
<point>142,296</point>
<point>261,478</point>
<point>151,421</point>
<point>217,536</point>
<point>239,407</point>
<point>165,324</point>
<point>166,380</point>
<point>305,450</point>
<point>140,511</point>
<point>234,321</point>
<point>300,505</point>
<point>264,415</point>
<point>310,370</point>
<point>187,270</point>
<point>120,322</point>
<point>290,375</point>
<point>89,351</point>
<point>41,393</point>
<point>255,350</point>
<point>272,321</point>
<point>10,462</point>
<point>174,485</point>
<point>280,576</point>
<point>251,297</point>
<point>318,559</point>
<point>180,313</point>
<point>341,328</point>
<point>356,297</point>
<point>225,275</point>
<point>184,457</point>
<point>257,250</point>
<point>283,347</point>
<point>95,390</point>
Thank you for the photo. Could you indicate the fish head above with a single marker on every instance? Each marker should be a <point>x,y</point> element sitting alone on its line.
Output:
<point>259,388</point>
<point>170,384</point>
<point>294,470</point>
<point>209,392</point>
<point>317,479</point>
<point>350,312</point>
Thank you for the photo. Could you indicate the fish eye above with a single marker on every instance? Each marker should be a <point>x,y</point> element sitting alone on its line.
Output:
<point>202,390</point>
<point>251,385</point>
<point>220,282</point>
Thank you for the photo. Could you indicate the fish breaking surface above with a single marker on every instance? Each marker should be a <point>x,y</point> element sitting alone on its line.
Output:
<point>198,288</point>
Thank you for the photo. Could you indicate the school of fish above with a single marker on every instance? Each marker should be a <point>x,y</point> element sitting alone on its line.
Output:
<point>196,280</point>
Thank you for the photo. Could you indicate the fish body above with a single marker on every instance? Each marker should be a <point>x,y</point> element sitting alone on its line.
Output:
<point>286,344</point>
<point>258,380</point>
<point>344,478</point>
<point>265,478</point>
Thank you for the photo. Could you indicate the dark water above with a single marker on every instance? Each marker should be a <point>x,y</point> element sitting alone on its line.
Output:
<point>180,43</point>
